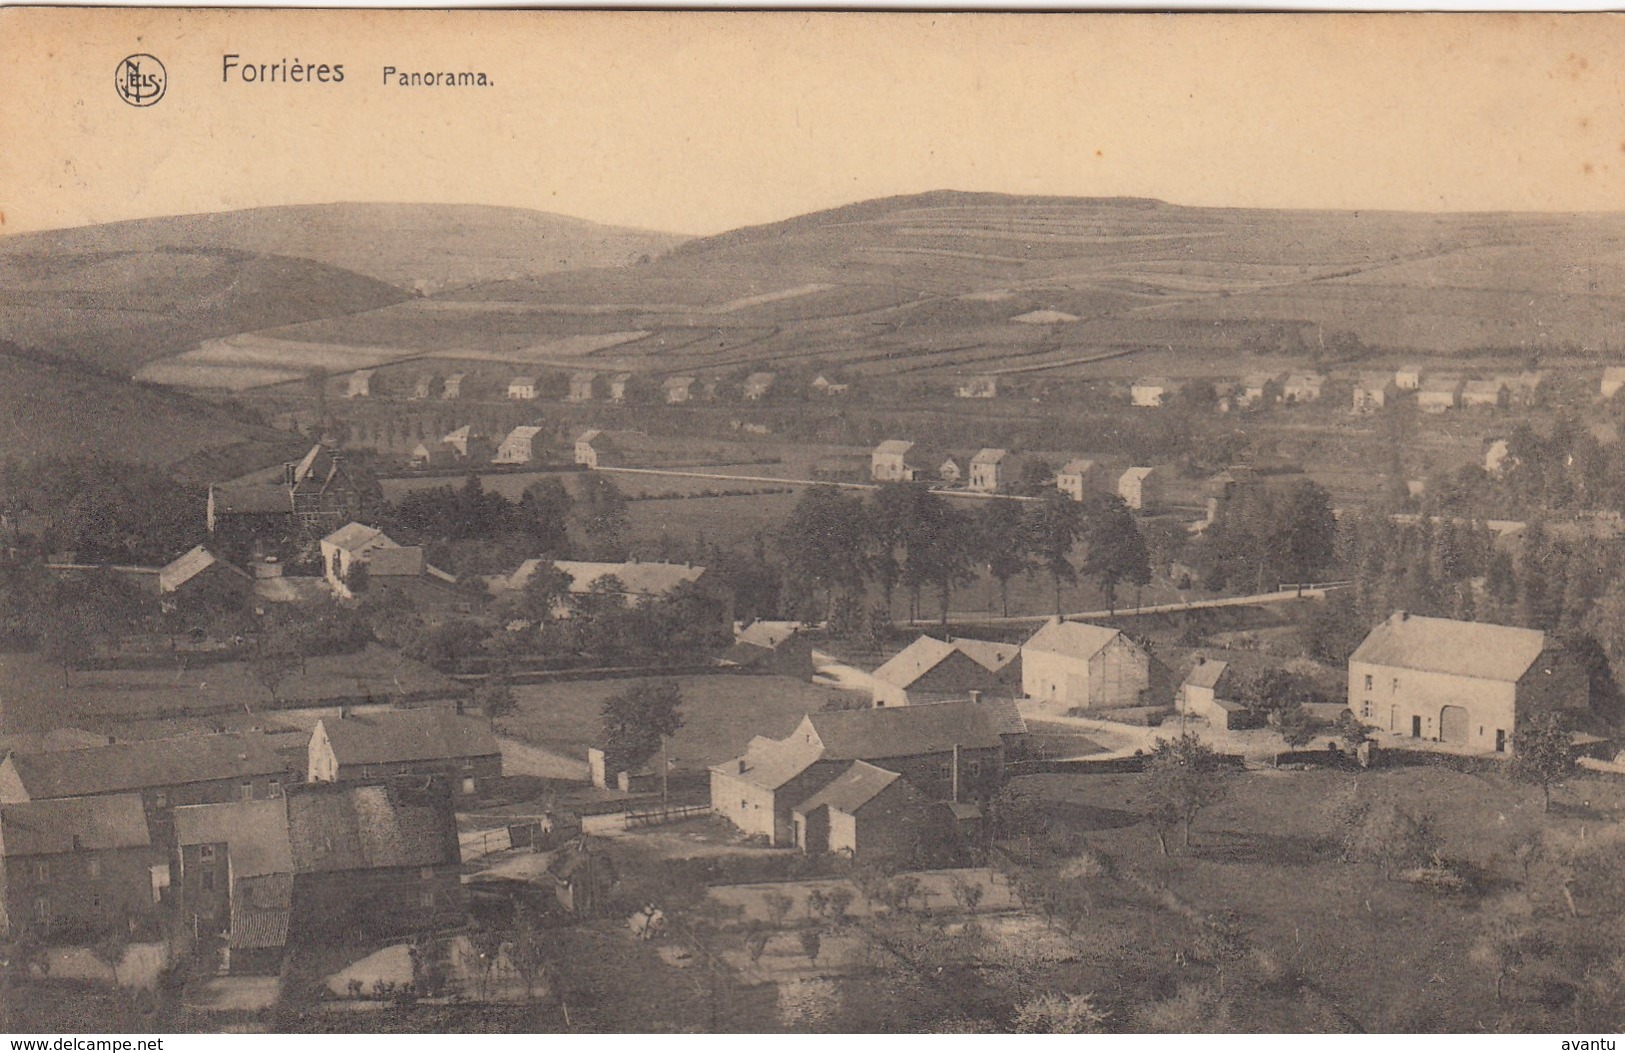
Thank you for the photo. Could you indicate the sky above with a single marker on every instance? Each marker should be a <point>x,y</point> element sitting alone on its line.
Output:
<point>696,123</point>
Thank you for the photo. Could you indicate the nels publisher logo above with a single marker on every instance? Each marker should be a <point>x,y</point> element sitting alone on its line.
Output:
<point>140,80</point>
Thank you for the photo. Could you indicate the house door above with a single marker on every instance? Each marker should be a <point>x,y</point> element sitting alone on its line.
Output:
<point>1416,727</point>
<point>1500,740</point>
<point>1393,718</point>
<point>1453,725</point>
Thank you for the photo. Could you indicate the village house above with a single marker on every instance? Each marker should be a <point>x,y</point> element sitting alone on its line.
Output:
<point>594,447</point>
<point>270,507</point>
<point>522,388</point>
<point>890,462</point>
<point>374,859</point>
<point>759,385</point>
<point>1496,453</point>
<point>233,880</point>
<point>984,386</point>
<point>948,751</point>
<point>824,385</point>
<point>1439,394</point>
<point>583,386</point>
<point>953,469</point>
<point>870,814</point>
<point>1408,378</point>
<point>520,446</point>
<point>1465,684</point>
<point>1151,392</point>
<point>931,670</point>
<point>429,741</point>
<point>1078,477</point>
<point>678,389</point>
<point>991,470</point>
<point>1074,665</point>
<point>1303,387</point>
<point>359,384</point>
<point>459,440</point>
<point>165,773</point>
<point>1141,489</point>
<point>199,570</point>
<point>422,387</point>
<point>356,544</point>
<point>1207,694</point>
<point>1373,391</point>
<point>617,386</point>
<point>1484,394</point>
<point>453,388</point>
<point>772,647</point>
<point>77,868</point>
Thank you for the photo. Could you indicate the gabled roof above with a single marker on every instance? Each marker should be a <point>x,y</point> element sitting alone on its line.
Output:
<point>906,667</point>
<point>989,455</point>
<point>1206,674</point>
<point>354,537</point>
<point>185,567</point>
<point>1441,385</point>
<point>1136,474</point>
<point>255,833</point>
<point>1375,381</point>
<point>349,826</point>
<point>1077,466</point>
<point>899,447</point>
<point>861,783</point>
<point>768,634</point>
<point>899,731</point>
<point>148,764</point>
<point>770,763</point>
<point>677,382</point>
<point>401,561</point>
<point>637,579</point>
<point>522,382</point>
<point>590,435</point>
<point>1443,645</point>
<point>38,828</point>
<point>459,434</point>
<point>523,432</point>
<point>989,654</point>
<point>1073,639</point>
<point>401,736</point>
<point>1151,382</point>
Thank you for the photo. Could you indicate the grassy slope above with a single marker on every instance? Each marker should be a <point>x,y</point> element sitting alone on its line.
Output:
<point>1135,272</point>
<point>57,410</point>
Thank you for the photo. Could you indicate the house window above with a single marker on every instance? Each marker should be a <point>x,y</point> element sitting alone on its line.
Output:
<point>1365,710</point>
<point>426,899</point>
<point>42,910</point>
<point>946,771</point>
<point>247,790</point>
<point>1368,681</point>
<point>275,788</point>
<point>161,799</point>
<point>93,867</point>
<point>743,805</point>
<point>975,769</point>
<point>468,785</point>
<point>205,853</point>
<point>42,871</point>
<point>468,765</point>
<point>1396,684</point>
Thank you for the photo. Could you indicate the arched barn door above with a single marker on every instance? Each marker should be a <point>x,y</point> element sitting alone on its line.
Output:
<point>1453,725</point>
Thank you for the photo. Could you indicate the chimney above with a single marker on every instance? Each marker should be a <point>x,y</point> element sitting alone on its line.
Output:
<point>344,711</point>
<point>1402,616</point>
<point>741,765</point>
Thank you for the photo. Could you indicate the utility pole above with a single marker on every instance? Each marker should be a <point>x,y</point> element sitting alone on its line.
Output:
<point>665,773</point>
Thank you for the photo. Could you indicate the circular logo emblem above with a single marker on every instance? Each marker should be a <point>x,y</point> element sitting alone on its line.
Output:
<point>140,80</point>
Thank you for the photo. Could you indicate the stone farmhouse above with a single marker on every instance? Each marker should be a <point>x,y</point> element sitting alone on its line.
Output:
<point>77,867</point>
<point>1074,665</point>
<point>931,670</point>
<point>427,741</point>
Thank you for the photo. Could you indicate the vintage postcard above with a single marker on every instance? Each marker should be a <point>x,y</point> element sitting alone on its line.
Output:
<point>811,522</point>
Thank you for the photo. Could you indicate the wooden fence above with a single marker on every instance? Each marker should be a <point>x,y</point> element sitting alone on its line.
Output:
<point>665,814</point>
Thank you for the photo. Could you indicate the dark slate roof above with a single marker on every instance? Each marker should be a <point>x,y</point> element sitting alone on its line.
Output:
<point>902,731</point>
<point>349,826</point>
<point>35,828</point>
<point>148,764</point>
<point>1207,673</point>
<point>251,498</point>
<point>408,735</point>
<point>850,790</point>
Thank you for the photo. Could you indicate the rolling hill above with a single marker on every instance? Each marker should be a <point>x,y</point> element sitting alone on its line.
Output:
<point>935,282</point>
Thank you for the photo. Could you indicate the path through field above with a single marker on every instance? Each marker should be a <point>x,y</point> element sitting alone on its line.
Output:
<point>521,758</point>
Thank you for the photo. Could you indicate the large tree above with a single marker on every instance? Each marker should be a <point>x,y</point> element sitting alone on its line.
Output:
<point>601,513</point>
<point>637,719</point>
<point>1003,545</point>
<point>823,541</point>
<point>1183,778</point>
<point>1542,753</point>
<point>1054,525</point>
<point>1114,551</point>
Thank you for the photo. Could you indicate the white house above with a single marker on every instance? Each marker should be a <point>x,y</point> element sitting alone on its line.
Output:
<point>458,439</point>
<point>617,386</point>
<point>1204,694</point>
<point>1077,477</point>
<point>1074,665</point>
<point>519,447</point>
<point>582,385</point>
<point>522,388</point>
<point>1303,387</point>
<point>1496,453</point>
<point>759,385</point>
<point>889,462</point>
<point>360,384</point>
<point>1439,394</point>
<point>354,544</point>
<point>1149,392</point>
<point>987,470</point>
<point>1373,391</point>
<point>678,389</point>
<point>453,388</point>
<point>1464,684</point>
<point>1408,378</point>
<point>1141,489</point>
<point>978,387</point>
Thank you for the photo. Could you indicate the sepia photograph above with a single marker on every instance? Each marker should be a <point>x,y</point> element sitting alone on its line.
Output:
<point>784,522</point>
